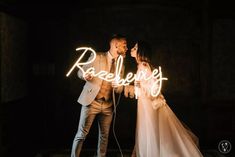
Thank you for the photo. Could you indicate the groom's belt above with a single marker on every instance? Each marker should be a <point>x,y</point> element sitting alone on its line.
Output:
<point>101,100</point>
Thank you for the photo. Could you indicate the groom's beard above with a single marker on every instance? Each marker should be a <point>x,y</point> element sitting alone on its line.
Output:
<point>122,54</point>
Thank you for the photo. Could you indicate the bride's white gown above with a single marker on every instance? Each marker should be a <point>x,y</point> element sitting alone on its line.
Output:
<point>159,133</point>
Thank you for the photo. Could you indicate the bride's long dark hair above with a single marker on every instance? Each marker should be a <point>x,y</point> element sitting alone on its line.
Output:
<point>144,52</point>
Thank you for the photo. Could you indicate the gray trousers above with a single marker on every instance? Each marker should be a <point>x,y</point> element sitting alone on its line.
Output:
<point>104,113</point>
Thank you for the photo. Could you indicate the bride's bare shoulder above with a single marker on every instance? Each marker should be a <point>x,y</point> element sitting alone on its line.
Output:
<point>144,65</point>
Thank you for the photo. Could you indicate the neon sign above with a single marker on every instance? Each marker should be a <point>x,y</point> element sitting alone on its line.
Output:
<point>156,74</point>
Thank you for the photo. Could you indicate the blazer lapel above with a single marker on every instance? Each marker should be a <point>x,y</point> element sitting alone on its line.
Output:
<point>104,62</point>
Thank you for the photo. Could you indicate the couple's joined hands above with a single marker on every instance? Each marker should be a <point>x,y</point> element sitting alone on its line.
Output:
<point>129,90</point>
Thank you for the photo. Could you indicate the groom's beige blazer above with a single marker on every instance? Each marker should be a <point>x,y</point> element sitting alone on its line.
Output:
<point>92,87</point>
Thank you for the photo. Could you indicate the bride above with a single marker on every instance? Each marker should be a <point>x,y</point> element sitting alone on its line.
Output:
<point>159,133</point>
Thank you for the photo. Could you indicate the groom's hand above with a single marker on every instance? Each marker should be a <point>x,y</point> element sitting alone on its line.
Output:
<point>88,77</point>
<point>114,84</point>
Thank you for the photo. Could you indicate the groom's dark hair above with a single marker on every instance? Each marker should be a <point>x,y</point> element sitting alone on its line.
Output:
<point>117,36</point>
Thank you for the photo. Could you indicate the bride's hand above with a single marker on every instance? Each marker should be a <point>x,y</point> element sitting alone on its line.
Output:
<point>137,83</point>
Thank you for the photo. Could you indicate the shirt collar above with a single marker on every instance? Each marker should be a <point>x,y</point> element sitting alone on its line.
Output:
<point>110,57</point>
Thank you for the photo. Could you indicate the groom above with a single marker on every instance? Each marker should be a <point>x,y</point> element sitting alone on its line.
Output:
<point>96,97</point>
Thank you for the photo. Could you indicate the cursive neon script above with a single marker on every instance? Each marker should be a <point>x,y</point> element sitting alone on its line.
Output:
<point>156,74</point>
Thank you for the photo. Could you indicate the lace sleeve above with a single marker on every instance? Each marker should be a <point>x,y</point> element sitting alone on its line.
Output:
<point>147,86</point>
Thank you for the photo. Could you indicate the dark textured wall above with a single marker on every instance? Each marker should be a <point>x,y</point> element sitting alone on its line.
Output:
<point>13,58</point>
<point>223,86</point>
<point>14,77</point>
<point>220,118</point>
